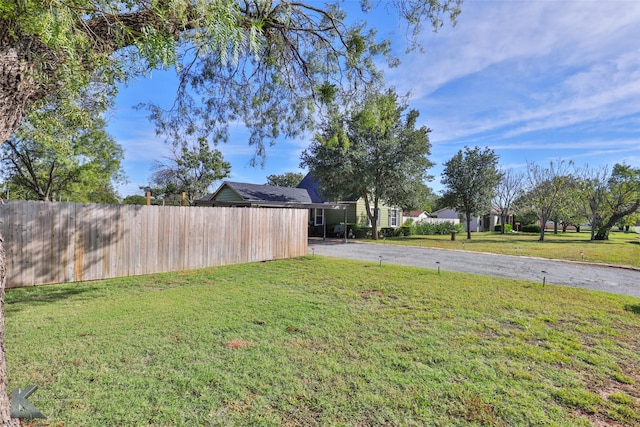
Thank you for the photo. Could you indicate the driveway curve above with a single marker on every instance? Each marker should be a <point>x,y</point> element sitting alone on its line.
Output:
<point>613,279</point>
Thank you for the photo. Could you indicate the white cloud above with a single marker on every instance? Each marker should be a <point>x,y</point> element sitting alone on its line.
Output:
<point>512,68</point>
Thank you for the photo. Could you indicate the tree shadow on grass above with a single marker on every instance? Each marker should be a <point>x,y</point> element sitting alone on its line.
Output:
<point>633,308</point>
<point>19,298</point>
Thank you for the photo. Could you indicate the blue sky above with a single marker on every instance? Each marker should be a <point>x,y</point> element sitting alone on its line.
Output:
<point>535,81</point>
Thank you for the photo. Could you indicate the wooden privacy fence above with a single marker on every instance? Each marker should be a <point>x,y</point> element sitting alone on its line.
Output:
<point>49,242</point>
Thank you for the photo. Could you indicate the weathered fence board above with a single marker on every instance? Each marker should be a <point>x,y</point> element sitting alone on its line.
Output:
<point>67,242</point>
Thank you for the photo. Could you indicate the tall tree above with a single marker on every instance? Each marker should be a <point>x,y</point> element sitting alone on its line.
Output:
<point>425,200</point>
<point>287,179</point>
<point>261,61</point>
<point>611,197</point>
<point>470,179</point>
<point>593,194</point>
<point>568,211</point>
<point>78,164</point>
<point>628,221</point>
<point>507,192</point>
<point>376,153</point>
<point>545,189</point>
<point>191,169</point>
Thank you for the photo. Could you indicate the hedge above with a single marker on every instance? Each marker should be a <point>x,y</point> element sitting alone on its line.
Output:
<point>531,228</point>
<point>425,228</point>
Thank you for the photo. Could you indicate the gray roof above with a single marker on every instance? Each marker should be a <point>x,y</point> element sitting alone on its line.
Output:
<point>268,193</point>
<point>312,185</point>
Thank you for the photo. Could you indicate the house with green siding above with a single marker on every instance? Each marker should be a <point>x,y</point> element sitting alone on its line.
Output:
<point>242,194</point>
<point>356,212</point>
<point>325,218</point>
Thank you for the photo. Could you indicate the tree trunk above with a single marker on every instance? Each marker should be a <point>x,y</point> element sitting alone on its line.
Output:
<point>543,222</point>
<point>603,230</point>
<point>22,58</point>
<point>468,227</point>
<point>602,234</point>
<point>372,215</point>
<point>502,221</point>
<point>5,403</point>
<point>18,91</point>
<point>374,219</point>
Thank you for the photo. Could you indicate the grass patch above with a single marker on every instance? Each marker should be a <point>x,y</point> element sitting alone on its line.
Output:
<point>620,249</point>
<point>322,341</point>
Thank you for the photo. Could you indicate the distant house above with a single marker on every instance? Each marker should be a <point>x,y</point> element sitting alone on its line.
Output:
<point>325,218</point>
<point>416,216</point>
<point>448,213</point>
<point>243,194</point>
<point>356,212</point>
<point>485,222</point>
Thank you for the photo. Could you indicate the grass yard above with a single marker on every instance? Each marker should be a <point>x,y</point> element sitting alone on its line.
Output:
<point>320,341</point>
<point>621,248</point>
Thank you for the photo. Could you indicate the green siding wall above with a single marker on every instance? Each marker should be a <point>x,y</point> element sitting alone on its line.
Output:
<point>228,195</point>
<point>356,213</point>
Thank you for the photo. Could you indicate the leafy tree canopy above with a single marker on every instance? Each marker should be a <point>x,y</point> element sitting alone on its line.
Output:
<point>135,199</point>
<point>63,152</point>
<point>545,189</point>
<point>425,199</point>
<point>264,62</point>
<point>191,169</point>
<point>470,178</point>
<point>510,187</point>
<point>287,179</point>
<point>375,152</point>
<point>619,198</point>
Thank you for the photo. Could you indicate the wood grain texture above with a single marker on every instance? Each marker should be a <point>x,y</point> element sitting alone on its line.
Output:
<point>55,242</point>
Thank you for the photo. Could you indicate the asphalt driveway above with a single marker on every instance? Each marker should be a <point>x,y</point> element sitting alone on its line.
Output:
<point>617,280</point>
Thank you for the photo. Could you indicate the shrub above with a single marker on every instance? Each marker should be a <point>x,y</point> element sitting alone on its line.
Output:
<point>390,232</point>
<point>425,228</point>
<point>507,228</point>
<point>531,228</point>
<point>395,232</point>
<point>362,232</point>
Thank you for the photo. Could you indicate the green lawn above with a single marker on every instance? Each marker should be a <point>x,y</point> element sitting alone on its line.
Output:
<point>320,341</point>
<point>621,248</point>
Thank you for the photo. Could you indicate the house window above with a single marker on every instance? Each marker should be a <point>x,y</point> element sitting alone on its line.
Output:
<point>369,220</point>
<point>318,216</point>
<point>394,217</point>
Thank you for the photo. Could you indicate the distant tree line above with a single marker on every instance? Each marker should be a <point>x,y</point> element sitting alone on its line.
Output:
<point>560,192</point>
